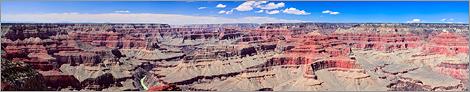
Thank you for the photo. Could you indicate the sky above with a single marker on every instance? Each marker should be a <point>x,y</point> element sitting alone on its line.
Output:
<point>213,12</point>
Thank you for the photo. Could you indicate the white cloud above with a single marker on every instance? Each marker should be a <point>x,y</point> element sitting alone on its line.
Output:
<point>326,11</point>
<point>136,18</point>
<point>334,13</point>
<point>122,11</point>
<point>225,12</point>
<point>229,12</point>
<point>330,12</point>
<point>222,12</point>
<point>448,20</point>
<point>245,6</point>
<point>295,11</point>
<point>443,20</point>
<point>270,6</point>
<point>414,21</point>
<point>250,5</point>
<point>221,6</point>
<point>272,12</point>
<point>264,6</point>
<point>200,8</point>
<point>259,3</point>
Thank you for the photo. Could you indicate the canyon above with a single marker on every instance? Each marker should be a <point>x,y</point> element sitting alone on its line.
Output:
<point>241,57</point>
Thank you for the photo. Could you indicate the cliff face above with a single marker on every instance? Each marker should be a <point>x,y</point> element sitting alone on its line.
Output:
<point>234,57</point>
<point>448,44</point>
<point>381,42</point>
<point>110,39</point>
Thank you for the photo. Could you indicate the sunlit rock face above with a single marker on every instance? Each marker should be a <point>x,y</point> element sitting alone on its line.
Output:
<point>110,39</point>
<point>448,43</point>
<point>381,42</point>
<point>243,57</point>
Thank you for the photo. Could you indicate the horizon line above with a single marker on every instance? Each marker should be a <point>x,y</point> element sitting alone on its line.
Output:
<point>226,23</point>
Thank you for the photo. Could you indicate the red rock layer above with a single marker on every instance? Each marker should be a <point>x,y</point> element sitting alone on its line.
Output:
<point>29,45</point>
<point>110,39</point>
<point>36,64</point>
<point>56,79</point>
<point>338,62</point>
<point>76,58</point>
<point>312,47</point>
<point>277,61</point>
<point>263,36</point>
<point>35,51</point>
<point>458,71</point>
<point>381,42</point>
<point>447,43</point>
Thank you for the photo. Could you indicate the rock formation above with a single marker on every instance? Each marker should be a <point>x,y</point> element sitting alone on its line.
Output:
<point>239,57</point>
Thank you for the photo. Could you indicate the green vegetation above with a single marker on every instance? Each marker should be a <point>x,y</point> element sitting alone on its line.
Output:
<point>20,76</point>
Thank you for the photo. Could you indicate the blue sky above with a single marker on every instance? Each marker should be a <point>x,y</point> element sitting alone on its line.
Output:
<point>204,12</point>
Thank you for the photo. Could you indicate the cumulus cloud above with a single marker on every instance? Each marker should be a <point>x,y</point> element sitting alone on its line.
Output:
<point>273,12</point>
<point>200,8</point>
<point>265,6</point>
<point>221,6</point>
<point>414,21</point>
<point>122,11</point>
<point>246,6</point>
<point>270,6</point>
<point>259,3</point>
<point>135,18</point>
<point>225,12</point>
<point>295,11</point>
<point>250,5</point>
<point>330,12</point>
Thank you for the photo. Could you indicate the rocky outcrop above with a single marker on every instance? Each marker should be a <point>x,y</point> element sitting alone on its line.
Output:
<point>247,51</point>
<point>29,45</point>
<point>334,63</point>
<point>110,39</point>
<point>241,57</point>
<point>381,42</point>
<point>458,71</point>
<point>75,58</point>
<point>423,79</point>
<point>155,55</point>
<point>56,80</point>
<point>448,44</point>
<point>99,83</point>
